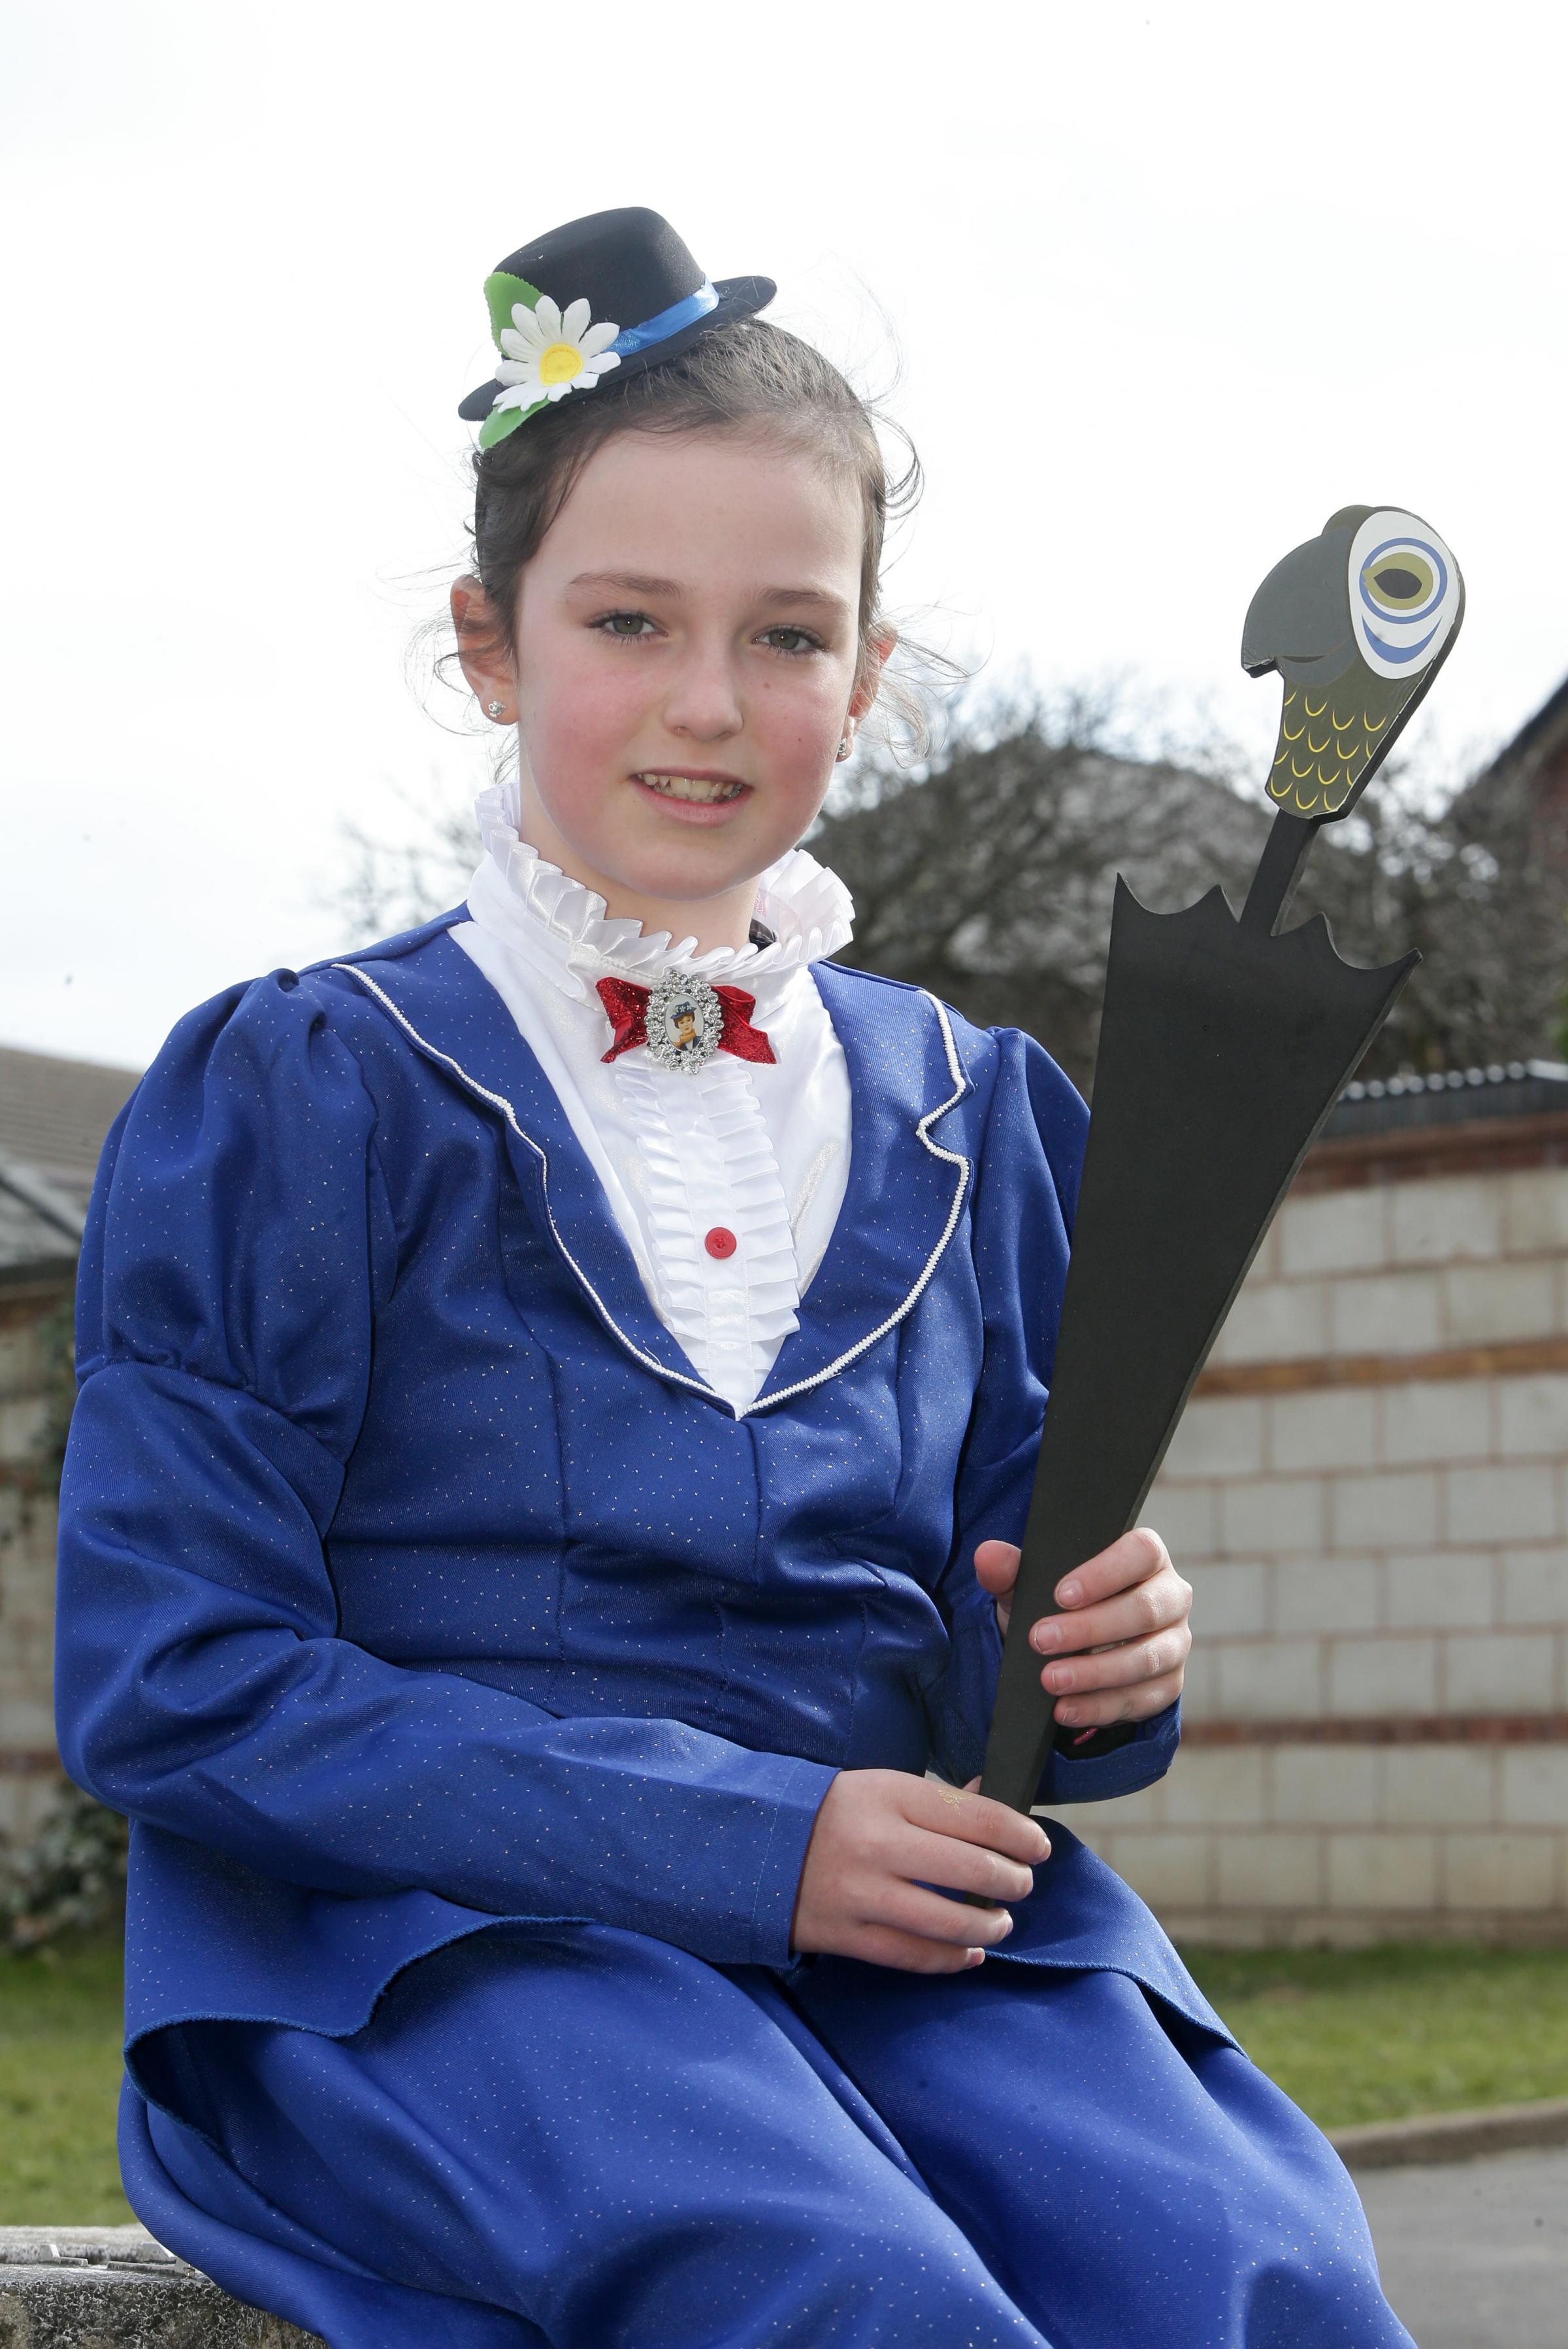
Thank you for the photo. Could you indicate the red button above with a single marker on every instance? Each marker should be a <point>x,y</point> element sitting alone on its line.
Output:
<point>720,1242</point>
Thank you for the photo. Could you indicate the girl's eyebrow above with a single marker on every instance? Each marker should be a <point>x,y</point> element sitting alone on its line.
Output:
<point>628,583</point>
<point>639,582</point>
<point>817,596</point>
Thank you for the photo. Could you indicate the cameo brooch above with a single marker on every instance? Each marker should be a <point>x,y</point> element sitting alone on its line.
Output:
<point>685,1021</point>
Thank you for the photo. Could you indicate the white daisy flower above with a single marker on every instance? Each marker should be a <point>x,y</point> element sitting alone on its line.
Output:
<point>549,354</point>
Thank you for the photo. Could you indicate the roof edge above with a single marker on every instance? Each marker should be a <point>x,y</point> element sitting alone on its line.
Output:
<point>43,1198</point>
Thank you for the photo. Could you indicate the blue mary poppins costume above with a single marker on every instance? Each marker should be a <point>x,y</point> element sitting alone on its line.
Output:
<point>472,1655</point>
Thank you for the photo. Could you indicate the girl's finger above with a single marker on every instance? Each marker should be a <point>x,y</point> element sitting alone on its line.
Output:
<point>1152,1606</point>
<point>996,1567</point>
<point>1139,1704</point>
<point>974,1818</point>
<point>996,1571</point>
<point>1122,1667</point>
<point>1134,1559</point>
<point>882,1945</point>
<point>911,1910</point>
<point>962,1867</point>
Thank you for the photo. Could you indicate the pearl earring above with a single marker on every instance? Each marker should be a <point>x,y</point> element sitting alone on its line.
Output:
<point>495,709</point>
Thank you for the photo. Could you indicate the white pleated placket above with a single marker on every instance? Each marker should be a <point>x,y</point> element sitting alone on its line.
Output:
<point>686,1155</point>
<point>710,1167</point>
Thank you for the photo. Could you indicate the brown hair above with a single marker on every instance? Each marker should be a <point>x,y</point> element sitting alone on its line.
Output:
<point>748,378</point>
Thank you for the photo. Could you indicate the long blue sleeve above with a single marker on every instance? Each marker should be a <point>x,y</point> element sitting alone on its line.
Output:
<point>241,1246</point>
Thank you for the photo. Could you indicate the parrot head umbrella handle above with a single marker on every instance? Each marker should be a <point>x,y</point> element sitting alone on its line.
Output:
<point>1356,622</point>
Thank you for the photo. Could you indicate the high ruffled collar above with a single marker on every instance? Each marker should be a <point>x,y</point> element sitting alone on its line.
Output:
<point>560,926</point>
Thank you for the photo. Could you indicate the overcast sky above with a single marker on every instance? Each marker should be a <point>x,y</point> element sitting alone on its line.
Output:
<point>1165,285</point>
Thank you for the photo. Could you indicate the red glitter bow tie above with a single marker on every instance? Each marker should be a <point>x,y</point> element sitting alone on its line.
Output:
<point>626,1005</point>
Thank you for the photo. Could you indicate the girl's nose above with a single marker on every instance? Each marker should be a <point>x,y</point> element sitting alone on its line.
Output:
<point>704,700</point>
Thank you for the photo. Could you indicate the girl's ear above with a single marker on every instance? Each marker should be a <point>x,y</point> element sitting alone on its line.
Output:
<point>482,650</point>
<point>879,648</point>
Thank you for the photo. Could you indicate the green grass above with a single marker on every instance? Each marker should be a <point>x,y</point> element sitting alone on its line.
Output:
<point>1374,2035</point>
<point>1353,2035</point>
<point>59,2083</point>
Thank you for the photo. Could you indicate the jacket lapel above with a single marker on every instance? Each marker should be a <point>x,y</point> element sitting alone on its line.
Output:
<point>447,1009</point>
<point>909,1182</point>
<point>910,1177</point>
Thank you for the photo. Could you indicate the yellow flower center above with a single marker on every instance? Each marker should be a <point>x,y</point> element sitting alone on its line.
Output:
<point>559,363</point>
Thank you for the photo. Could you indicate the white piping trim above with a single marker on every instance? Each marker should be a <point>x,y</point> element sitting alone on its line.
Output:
<point>954,1158</point>
<point>498,1100</point>
<point>651,1361</point>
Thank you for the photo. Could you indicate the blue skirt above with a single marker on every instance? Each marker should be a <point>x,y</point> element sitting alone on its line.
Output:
<point>587,2138</point>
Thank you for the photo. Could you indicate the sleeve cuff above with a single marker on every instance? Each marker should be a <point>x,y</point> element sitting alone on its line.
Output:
<point>779,1880</point>
<point>1138,1763</point>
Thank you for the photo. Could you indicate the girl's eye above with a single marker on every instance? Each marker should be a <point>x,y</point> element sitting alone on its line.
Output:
<point>626,625</point>
<point>799,640</point>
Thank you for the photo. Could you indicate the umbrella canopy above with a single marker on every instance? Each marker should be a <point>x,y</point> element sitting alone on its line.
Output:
<point>1221,1052</point>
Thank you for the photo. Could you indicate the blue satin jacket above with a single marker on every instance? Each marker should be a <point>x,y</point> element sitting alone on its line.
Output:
<point>410,1575</point>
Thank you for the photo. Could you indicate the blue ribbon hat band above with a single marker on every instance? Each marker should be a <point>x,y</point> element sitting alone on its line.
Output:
<point>523,391</point>
<point>672,321</point>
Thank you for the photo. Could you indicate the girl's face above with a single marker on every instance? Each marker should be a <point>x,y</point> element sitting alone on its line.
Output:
<point>685,668</point>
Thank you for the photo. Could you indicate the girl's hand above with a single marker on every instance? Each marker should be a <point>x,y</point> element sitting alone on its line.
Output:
<point>1124,1635</point>
<point>881,1837</point>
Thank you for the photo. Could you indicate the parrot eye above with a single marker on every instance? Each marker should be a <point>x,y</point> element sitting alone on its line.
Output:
<point>1403,593</point>
<point>1394,586</point>
<point>1399,582</point>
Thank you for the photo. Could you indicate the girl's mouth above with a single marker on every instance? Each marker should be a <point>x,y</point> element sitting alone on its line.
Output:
<point>702,791</point>
<point>692,798</point>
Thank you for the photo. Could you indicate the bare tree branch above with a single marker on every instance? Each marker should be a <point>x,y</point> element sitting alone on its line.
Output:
<point>987,875</point>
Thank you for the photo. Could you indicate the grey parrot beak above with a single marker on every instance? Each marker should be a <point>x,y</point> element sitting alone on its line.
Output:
<point>1301,614</point>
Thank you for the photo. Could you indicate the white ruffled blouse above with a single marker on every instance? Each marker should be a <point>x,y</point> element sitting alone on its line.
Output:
<point>753,1153</point>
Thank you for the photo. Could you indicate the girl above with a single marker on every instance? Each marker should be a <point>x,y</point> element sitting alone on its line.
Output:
<point>559,1389</point>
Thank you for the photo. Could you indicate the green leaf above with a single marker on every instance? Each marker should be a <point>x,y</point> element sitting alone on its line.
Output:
<point>501,293</point>
<point>502,420</point>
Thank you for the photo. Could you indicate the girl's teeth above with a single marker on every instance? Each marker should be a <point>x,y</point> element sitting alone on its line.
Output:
<point>687,787</point>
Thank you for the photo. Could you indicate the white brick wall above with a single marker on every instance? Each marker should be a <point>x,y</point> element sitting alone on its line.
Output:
<point>1534,1585</point>
<point>1328,1594</point>
<point>1454,1589</point>
<point>1276,1514</point>
<point>1533,1418</point>
<point>1225,1438</point>
<point>1397,1507</point>
<point>1402,1268</point>
<point>1234,1597</point>
<point>1335,1231</point>
<point>1394,1313</point>
<point>1535,1785</point>
<point>1275,1321</point>
<point>1335,1429</point>
<point>1535,1213</point>
<point>1516,1503</point>
<point>1367,1678</point>
<point>1373,1547</point>
<point>1444,1222</point>
<point>1346,1842</point>
<point>1436,1419</point>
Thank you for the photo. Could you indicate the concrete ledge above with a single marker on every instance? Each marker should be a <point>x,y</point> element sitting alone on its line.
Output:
<point>1453,2137</point>
<point>115,2288</point>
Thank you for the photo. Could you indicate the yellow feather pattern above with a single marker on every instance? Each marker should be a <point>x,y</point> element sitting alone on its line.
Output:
<point>1315,771</point>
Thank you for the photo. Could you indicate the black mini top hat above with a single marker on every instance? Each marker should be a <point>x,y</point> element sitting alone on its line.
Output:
<point>603,297</point>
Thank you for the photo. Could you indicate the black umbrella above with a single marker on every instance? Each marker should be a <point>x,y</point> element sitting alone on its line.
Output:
<point>1224,1046</point>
